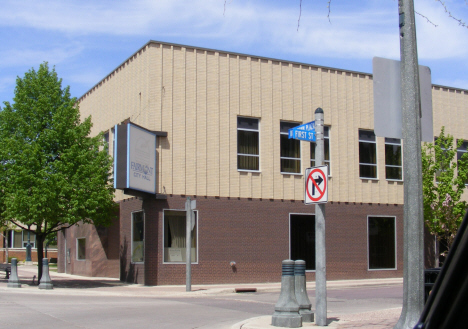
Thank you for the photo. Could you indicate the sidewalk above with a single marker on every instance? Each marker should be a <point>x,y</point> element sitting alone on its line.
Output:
<point>368,320</point>
<point>67,284</point>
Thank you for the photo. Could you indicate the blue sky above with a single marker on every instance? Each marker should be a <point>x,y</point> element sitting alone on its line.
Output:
<point>85,40</point>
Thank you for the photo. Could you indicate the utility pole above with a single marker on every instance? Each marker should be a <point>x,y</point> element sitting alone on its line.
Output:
<point>413,219</point>
<point>320,262</point>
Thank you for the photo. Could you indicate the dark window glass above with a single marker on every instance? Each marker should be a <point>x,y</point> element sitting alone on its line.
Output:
<point>106,141</point>
<point>302,239</point>
<point>247,123</point>
<point>247,144</point>
<point>367,154</point>
<point>138,236</point>
<point>81,248</point>
<point>393,167</point>
<point>326,151</point>
<point>367,135</point>
<point>393,173</point>
<point>381,234</point>
<point>290,150</point>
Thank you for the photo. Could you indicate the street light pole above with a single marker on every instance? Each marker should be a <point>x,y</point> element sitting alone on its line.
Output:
<point>413,218</point>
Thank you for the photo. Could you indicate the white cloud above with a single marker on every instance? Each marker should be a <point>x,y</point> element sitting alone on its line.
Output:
<point>86,77</point>
<point>108,17</point>
<point>262,27</point>
<point>28,56</point>
<point>355,32</point>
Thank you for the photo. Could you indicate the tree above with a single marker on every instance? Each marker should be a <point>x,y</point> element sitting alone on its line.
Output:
<point>444,179</point>
<point>53,175</point>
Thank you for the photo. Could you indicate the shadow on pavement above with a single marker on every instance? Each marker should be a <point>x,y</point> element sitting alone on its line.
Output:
<point>64,282</point>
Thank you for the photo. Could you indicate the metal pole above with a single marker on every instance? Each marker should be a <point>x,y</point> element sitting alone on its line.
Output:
<point>320,259</point>
<point>28,247</point>
<point>413,220</point>
<point>188,244</point>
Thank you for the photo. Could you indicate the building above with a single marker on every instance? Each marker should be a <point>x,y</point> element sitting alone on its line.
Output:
<point>226,116</point>
<point>16,246</point>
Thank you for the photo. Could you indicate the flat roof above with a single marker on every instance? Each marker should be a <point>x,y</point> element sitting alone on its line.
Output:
<point>242,54</point>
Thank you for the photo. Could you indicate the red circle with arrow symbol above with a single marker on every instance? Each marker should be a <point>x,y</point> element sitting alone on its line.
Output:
<point>316,184</point>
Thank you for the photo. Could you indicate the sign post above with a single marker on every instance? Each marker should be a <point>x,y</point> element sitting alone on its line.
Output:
<point>316,192</point>
<point>190,205</point>
<point>320,256</point>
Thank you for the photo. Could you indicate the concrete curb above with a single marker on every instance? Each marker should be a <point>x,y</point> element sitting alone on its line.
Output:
<point>263,322</point>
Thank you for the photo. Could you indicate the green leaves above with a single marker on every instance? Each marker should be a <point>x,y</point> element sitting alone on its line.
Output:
<point>51,173</point>
<point>444,178</point>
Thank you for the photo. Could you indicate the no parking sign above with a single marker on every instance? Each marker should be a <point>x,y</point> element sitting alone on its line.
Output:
<point>316,185</point>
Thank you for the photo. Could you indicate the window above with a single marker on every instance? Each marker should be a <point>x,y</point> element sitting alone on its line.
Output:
<point>461,151</point>
<point>326,149</point>
<point>393,167</point>
<point>381,243</point>
<point>442,143</point>
<point>248,156</point>
<point>367,154</point>
<point>81,248</point>
<point>20,239</point>
<point>32,239</point>
<point>175,237</point>
<point>138,237</point>
<point>106,141</point>
<point>290,150</point>
<point>302,239</point>
<point>17,240</point>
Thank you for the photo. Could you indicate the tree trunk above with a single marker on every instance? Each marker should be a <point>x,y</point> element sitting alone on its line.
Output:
<point>436,247</point>
<point>40,254</point>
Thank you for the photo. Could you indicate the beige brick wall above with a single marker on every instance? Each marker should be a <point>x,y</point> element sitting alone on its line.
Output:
<point>196,96</point>
<point>450,111</point>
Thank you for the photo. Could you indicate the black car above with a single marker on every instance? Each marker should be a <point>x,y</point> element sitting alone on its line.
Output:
<point>447,304</point>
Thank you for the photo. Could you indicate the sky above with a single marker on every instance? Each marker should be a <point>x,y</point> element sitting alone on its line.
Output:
<point>87,39</point>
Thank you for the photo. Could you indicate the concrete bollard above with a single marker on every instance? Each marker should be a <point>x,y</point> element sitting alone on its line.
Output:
<point>46,283</point>
<point>287,309</point>
<point>301,292</point>
<point>13,281</point>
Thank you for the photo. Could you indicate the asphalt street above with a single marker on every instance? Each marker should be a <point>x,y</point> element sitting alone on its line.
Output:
<point>77,302</point>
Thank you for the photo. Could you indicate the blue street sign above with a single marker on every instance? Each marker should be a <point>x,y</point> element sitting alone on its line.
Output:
<point>305,132</point>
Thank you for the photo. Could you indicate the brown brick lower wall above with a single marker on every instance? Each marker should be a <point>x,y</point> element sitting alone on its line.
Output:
<point>20,254</point>
<point>255,234</point>
<point>252,233</point>
<point>101,255</point>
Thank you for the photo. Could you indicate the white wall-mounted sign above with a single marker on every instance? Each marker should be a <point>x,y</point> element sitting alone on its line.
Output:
<point>141,172</point>
<point>134,158</point>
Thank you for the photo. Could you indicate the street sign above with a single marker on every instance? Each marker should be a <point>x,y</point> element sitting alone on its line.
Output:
<point>387,99</point>
<point>305,132</point>
<point>316,185</point>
